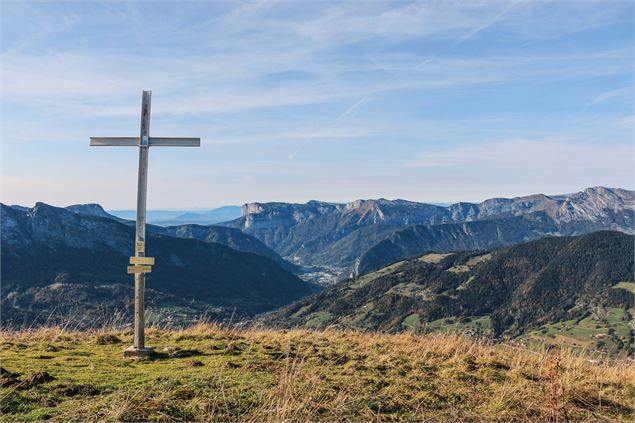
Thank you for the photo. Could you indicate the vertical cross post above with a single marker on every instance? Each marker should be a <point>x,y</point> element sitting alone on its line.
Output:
<point>140,236</point>
<point>141,263</point>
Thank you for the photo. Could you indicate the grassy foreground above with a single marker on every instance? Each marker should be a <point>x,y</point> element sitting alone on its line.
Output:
<point>207,373</point>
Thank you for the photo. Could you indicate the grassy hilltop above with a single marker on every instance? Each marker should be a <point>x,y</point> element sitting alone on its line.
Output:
<point>208,373</point>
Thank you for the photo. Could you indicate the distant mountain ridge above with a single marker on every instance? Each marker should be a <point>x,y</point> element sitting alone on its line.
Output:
<point>325,241</point>
<point>232,238</point>
<point>210,217</point>
<point>338,237</point>
<point>92,209</point>
<point>183,217</point>
<point>50,256</point>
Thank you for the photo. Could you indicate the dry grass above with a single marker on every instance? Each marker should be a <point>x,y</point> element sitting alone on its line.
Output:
<point>264,375</point>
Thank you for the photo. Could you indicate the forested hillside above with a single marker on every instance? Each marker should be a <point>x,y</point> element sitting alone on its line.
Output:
<point>508,292</point>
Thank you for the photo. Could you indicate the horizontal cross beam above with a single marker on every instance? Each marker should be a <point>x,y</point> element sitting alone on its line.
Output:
<point>152,142</point>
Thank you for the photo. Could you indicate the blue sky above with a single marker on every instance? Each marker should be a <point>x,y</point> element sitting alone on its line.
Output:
<point>434,101</point>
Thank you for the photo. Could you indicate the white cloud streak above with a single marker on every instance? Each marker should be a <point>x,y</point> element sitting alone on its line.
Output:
<point>219,69</point>
<point>234,78</point>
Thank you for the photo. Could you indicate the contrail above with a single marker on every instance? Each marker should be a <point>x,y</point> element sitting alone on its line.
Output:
<point>487,24</point>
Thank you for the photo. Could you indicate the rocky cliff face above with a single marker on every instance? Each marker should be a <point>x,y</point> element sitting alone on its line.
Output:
<point>597,204</point>
<point>92,210</point>
<point>23,229</point>
<point>283,215</point>
<point>336,236</point>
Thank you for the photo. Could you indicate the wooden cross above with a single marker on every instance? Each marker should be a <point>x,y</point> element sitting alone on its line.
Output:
<point>141,263</point>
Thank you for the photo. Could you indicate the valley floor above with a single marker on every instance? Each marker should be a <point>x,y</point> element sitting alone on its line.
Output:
<point>207,373</point>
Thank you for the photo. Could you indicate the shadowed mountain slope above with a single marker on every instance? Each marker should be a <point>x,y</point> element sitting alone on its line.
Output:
<point>230,237</point>
<point>473,235</point>
<point>47,248</point>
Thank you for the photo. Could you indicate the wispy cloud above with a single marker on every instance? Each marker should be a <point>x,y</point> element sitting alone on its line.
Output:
<point>97,85</point>
<point>290,38</point>
<point>529,156</point>
<point>611,94</point>
<point>362,86</point>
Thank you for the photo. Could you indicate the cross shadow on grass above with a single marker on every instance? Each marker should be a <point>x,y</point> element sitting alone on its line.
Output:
<point>165,355</point>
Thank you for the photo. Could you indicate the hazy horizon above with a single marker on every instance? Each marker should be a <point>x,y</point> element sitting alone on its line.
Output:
<point>425,101</point>
<point>208,208</point>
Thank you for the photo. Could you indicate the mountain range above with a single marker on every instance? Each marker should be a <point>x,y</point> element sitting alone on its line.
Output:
<point>183,217</point>
<point>60,261</point>
<point>327,242</point>
<point>348,239</point>
<point>52,257</point>
<point>230,237</point>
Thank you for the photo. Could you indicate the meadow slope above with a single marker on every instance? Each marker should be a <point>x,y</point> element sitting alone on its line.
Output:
<point>209,373</point>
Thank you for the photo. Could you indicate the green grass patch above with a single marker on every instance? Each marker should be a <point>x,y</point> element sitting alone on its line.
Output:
<point>466,283</point>
<point>206,373</point>
<point>368,277</point>
<point>474,324</point>
<point>629,286</point>
<point>411,322</point>
<point>434,258</point>
<point>300,311</point>
<point>409,289</point>
<point>319,319</point>
<point>459,268</point>
<point>606,331</point>
<point>479,259</point>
